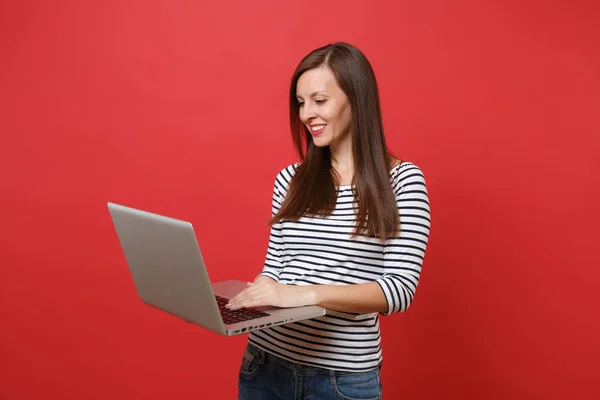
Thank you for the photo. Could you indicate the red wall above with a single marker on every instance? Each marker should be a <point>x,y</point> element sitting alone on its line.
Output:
<point>180,108</point>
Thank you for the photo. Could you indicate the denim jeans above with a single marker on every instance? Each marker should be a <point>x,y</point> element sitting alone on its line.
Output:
<point>264,376</point>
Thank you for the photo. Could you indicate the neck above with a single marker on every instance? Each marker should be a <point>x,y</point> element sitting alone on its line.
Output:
<point>341,156</point>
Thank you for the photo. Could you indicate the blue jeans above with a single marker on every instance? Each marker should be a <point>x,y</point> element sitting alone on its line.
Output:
<point>264,376</point>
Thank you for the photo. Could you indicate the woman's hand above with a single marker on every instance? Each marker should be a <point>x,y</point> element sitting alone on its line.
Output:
<point>269,293</point>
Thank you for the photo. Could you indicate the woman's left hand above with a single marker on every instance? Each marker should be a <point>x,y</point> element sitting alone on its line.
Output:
<point>272,294</point>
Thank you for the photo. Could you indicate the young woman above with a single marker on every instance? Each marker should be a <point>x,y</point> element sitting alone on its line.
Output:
<point>349,231</point>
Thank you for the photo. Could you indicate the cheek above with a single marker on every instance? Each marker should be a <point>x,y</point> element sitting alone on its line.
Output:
<point>334,115</point>
<point>344,119</point>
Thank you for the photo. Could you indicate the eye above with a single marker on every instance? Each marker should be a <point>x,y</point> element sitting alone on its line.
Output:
<point>320,101</point>
<point>300,103</point>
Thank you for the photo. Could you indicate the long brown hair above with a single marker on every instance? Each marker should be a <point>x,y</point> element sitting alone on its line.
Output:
<point>312,190</point>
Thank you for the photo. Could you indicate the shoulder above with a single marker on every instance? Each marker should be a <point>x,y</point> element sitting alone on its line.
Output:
<point>284,176</point>
<point>407,175</point>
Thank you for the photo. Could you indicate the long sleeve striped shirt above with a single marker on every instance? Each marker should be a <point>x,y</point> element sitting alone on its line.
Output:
<point>320,251</point>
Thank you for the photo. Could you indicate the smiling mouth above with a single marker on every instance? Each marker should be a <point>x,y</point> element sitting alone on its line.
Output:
<point>317,129</point>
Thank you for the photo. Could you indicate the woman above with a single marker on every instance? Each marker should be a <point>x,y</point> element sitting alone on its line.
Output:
<point>349,231</point>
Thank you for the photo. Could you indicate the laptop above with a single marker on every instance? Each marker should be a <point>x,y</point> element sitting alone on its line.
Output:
<point>169,273</point>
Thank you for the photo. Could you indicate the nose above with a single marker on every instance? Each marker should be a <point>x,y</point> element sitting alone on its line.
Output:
<point>307,112</point>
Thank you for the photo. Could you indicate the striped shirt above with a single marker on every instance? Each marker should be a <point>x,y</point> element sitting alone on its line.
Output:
<point>320,250</point>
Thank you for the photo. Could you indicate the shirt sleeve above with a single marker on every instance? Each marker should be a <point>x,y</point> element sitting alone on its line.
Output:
<point>403,256</point>
<point>274,259</point>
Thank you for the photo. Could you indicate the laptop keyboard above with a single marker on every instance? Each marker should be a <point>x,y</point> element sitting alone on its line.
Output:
<point>233,316</point>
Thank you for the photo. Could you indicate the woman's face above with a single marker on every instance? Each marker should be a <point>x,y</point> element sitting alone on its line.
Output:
<point>324,107</point>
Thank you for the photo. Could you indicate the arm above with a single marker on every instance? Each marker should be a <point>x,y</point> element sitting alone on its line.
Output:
<point>402,259</point>
<point>393,292</point>
<point>263,279</point>
<point>274,260</point>
<point>361,299</point>
<point>403,256</point>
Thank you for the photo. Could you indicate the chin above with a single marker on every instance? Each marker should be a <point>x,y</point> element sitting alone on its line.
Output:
<point>321,141</point>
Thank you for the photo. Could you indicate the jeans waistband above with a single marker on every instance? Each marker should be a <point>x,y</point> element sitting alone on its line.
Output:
<point>292,366</point>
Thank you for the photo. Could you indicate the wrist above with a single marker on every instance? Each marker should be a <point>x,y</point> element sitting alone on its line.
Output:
<point>264,279</point>
<point>313,294</point>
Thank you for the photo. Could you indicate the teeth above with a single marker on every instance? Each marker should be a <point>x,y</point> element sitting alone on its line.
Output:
<point>317,127</point>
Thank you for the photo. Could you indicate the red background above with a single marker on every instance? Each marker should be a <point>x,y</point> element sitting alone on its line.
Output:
<point>180,108</point>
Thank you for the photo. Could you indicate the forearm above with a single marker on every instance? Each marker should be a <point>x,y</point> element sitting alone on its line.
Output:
<point>360,298</point>
<point>263,279</point>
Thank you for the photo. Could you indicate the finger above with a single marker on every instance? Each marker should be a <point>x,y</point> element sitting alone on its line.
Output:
<point>235,300</point>
<point>248,296</point>
<point>241,294</point>
<point>240,300</point>
<point>254,300</point>
<point>250,291</point>
<point>253,303</point>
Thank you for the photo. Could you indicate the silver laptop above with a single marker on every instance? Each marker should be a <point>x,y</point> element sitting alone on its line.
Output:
<point>169,273</point>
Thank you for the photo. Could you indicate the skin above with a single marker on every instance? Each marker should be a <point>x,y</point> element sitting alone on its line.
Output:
<point>321,101</point>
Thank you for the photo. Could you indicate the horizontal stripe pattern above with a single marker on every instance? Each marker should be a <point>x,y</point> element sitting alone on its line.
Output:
<point>320,251</point>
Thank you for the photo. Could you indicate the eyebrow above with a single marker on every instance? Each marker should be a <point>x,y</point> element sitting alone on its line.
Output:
<point>313,94</point>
